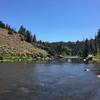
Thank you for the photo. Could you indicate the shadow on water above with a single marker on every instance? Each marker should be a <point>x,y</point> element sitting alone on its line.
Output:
<point>60,81</point>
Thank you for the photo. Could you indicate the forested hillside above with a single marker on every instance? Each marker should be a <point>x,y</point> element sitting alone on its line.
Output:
<point>24,42</point>
<point>20,43</point>
<point>78,48</point>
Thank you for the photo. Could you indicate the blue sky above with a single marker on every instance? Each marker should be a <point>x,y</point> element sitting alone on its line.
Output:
<point>53,20</point>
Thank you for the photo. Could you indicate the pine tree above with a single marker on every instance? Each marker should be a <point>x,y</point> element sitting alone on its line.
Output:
<point>86,49</point>
<point>28,36</point>
<point>98,40</point>
<point>2,25</point>
<point>22,30</point>
<point>34,38</point>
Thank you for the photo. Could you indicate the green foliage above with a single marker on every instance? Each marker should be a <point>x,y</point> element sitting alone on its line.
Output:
<point>22,30</point>
<point>10,32</point>
<point>15,58</point>
<point>1,58</point>
<point>2,25</point>
<point>22,37</point>
<point>10,29</point>
<point>97,55</point>
<point>55,49</point>
<point>86,49</point>
<point>34,38</point>
<point>98,40</point>
<point>6,26</point>
<point>28,36</point>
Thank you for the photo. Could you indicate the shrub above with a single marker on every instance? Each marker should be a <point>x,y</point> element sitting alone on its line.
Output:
<point>22,37</point>
<point>1,58</point>
<point>10,32</point>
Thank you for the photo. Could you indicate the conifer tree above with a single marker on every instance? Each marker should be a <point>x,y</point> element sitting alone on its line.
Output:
<point>34,38</point>
<point>2,25</point>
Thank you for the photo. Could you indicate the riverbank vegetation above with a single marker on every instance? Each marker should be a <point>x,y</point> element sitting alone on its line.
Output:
<point>22,45</point>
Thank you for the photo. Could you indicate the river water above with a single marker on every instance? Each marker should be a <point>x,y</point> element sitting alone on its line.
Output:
<point>61,81</point>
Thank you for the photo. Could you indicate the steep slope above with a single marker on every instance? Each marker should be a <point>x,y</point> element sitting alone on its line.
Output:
<point>13,44</point>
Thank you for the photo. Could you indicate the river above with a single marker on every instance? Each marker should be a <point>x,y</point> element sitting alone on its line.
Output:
<point>61,81</point>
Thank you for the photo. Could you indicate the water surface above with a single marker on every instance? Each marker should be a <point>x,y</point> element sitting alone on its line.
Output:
<point>62,81</point>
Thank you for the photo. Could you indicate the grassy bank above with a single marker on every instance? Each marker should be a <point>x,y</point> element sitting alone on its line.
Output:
<point>15,58</point>
<point>96,58</point>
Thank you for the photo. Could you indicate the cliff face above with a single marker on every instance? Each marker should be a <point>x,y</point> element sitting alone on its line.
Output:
<point>14,44</point>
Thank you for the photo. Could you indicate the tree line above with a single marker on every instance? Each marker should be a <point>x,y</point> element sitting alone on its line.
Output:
<point>79,48</point>
<point>27,35</point>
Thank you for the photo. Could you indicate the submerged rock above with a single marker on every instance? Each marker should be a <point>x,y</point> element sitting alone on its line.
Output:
<point>98,76</point>
<point>87,70</point>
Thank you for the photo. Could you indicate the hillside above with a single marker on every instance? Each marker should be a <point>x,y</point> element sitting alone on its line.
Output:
<point>15,45</point>
<point>22,43</point>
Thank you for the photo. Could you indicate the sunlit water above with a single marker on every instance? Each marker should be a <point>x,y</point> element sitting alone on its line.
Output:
<point>49,81</point>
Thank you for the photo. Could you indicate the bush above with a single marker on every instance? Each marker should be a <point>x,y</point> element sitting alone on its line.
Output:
<point>1,58</point>
<point>22,37</point>
<point>10,32</point>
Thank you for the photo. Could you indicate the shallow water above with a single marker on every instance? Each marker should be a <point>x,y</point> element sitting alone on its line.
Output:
<point>62,81</point>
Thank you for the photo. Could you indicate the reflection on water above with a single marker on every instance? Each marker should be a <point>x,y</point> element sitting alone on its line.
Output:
<point>49,82</point>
